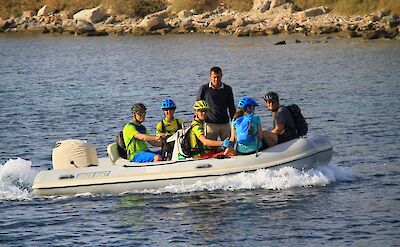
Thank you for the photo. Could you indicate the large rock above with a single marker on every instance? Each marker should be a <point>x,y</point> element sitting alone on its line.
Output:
<point>3,24</point>
<point>43,11</point>
<point>152,24</point>
<point>83,26</point>
<point>184,14</point>
<point>312,12</point>
<point>91,15</point>
<point>277,3</point>
<point>65,15</point>
<point>261,5</point>
<point>28,14</point>
<point>222,22</point>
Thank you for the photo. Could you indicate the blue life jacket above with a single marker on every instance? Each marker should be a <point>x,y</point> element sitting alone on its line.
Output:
<point>245,129</point>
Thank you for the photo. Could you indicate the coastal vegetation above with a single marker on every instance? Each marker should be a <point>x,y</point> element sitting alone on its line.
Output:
<point>141,8</point>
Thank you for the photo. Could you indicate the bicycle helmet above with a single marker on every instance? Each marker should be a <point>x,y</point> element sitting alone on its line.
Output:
<point>271,96</point>
<point>200,105</point>
<point>244,102</point>
<point>168,104</point>
<point>138,107</point>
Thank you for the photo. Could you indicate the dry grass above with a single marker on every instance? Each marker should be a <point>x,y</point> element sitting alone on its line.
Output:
<point>142,7</point>
<point>197,5</point>
<point>125,7</point>
<point>352,6</point>
<point>238,5</point>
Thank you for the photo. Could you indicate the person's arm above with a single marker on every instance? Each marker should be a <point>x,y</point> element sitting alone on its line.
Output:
<point>278,128</point>
<point>280,122</point>
<point>260,132</point>
<point>231,103</point>
<point>232,139</point>
<point>153,140</point>
<point>208,142</point>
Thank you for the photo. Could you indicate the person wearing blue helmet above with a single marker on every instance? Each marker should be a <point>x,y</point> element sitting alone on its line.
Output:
<point>246,128</point>
<point>169,125</point>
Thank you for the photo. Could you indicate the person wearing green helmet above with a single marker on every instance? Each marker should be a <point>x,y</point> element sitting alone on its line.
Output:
<point>201,147</point>
<point>136,136</point>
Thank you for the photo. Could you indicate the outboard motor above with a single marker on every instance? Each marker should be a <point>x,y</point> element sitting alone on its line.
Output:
<point>69,154</point>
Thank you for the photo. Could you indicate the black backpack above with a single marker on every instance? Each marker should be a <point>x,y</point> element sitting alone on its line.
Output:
<point>299,121</point>
<point>119,140</point>
<point>184,142</point>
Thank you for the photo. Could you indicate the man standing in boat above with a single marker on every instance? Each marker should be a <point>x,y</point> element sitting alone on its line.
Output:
<point>136,136</point>
<point>284,128</point>
<point>219,98</point>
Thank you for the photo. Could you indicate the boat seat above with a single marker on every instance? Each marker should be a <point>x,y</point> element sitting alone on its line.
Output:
<point>112,151</point>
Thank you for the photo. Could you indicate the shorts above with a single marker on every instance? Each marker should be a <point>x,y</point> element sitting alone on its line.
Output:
<point>213,130</point>
<point>145,156</point>
<point>284,138</point>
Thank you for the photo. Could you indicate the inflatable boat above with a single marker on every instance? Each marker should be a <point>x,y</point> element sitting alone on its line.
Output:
<point>76,168</point>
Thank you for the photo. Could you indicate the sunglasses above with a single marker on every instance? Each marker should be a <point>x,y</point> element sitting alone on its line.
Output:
<point>141,113</point>
<point>271,101</point>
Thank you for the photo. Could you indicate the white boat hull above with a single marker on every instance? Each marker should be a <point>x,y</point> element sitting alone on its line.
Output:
<point>302,153</point>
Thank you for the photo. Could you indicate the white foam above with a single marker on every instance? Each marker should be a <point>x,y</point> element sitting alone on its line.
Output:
<point>16,179</point>
<point>283,178</point>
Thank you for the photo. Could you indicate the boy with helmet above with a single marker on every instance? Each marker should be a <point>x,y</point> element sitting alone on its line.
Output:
<point>136,136</point>
<point>246,128</point>
<point>169,125</point>
<point>200,145</point>
<point>284,128</point>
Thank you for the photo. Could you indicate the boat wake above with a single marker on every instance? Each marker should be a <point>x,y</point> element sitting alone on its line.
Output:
<point>280,179</point>
<point>16,179</point>
<point>17,175</point>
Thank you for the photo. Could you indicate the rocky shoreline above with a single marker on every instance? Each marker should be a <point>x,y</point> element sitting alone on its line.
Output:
<point>266,18</point>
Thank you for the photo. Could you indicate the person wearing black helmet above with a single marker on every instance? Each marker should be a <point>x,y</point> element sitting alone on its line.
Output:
<point>136,136</point>
<point>284,128</point>
<point>220,99</point>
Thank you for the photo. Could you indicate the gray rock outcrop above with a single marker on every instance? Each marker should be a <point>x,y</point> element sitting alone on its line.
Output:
<point>90,15</point>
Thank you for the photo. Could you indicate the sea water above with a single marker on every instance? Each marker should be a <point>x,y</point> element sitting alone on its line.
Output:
<point>63,87</point>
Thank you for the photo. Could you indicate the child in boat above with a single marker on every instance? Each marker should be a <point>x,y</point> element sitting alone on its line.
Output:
<point>246,128</point>
<point>201,147</point>
<point>168,126</point>
<point>136,136</point>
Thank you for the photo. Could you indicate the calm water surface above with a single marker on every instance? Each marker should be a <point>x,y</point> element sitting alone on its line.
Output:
<point>54,88</point>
